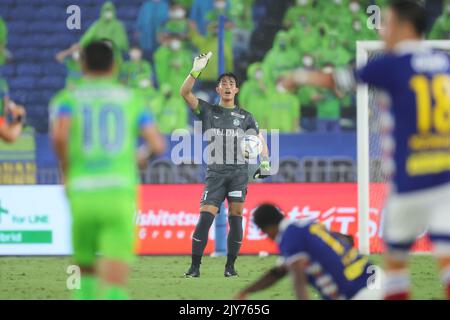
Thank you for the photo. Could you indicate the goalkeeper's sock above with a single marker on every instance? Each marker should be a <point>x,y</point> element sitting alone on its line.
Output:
<point>88,288</point>
<point>445,275</point>
<point>397,286</point>
<point>200,236</point>
<point>114,292</point>
<point>234,240</point>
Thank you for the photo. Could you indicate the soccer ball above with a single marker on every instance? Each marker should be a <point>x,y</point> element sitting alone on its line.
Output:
<point>251,147</point>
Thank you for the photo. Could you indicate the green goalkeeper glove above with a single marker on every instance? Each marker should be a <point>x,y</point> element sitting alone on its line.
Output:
<point>200,63</point>
<point>265,166</point>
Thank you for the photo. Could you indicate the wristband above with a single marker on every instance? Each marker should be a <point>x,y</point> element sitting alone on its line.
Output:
<point>195,74</point>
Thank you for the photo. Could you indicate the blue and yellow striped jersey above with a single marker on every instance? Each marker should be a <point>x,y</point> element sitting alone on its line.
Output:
<point>334,268</point>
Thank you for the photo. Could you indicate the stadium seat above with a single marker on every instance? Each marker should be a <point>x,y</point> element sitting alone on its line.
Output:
<point>52,69</point>
<point>22,82</point>
<point>128,13</point>
<point>42,26</point>
<point>26,13</point>
<point>52,13</point>
<point>8,70</point>
<point>30,69</point>
<point>8,4</point>
<point>5,11</point>
<point>51,82</point>
<point>18,26</point>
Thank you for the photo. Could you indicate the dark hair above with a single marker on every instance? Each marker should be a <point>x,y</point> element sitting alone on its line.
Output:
<point>267,215</point>
<point>412,11</point>
<point>98,56</point>
<point>230,75</point>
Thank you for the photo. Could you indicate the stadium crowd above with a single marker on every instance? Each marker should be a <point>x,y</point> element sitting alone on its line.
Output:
<point>156,54</point>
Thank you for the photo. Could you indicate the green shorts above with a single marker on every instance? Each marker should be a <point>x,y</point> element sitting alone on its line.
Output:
<point>103,223</point>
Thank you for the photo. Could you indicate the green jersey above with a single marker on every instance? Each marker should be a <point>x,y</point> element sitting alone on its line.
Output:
<point>106,119</point>
<point>285,111</point>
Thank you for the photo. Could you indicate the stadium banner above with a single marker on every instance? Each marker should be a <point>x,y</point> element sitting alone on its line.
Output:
<point>168,214</point>
<point>34,220</point>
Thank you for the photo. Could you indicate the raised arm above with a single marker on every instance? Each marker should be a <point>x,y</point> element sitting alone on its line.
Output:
<point>200,63</point>
<point>299,279</point>
<point>303,77</point>
<point>60,56</point>
<point>187,94</point>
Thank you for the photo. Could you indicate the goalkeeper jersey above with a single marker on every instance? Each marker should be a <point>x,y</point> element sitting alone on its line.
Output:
<point>224,129</point>
<point>417,81</point>
<point>106,119</point>
<point>334,268</point>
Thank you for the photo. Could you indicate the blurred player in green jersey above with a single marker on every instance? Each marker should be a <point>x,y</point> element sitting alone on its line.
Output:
<point>95,128</point>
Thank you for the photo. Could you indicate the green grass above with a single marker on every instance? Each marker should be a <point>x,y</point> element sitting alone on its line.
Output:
<point>162,278</point>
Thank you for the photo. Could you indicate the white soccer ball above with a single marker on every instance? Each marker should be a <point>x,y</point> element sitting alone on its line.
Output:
<point>251,147</point>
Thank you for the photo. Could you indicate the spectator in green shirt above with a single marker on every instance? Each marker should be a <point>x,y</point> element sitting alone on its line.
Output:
<point>172,61</point>
<point>177,24</point>
<point>184,3</point>
<point>298,14</point>
<point>328,107</point>
<point>241,13</point>
<point>106,27</point>
<point>441,27</point>
<point>3,41</point>
<point>331,48</point>
<point>333,9</point>
<point>253,94</point>
<point>282,57</point>
<point>73,67</point>
<point>305,39</point>
<point>170,110</point>
<point>207,43</point>
<point>283,111</point>
<point>136,72</point>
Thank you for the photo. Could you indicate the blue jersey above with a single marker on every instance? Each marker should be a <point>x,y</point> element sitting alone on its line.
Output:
<point>334,268</point>
<point>417,80</point>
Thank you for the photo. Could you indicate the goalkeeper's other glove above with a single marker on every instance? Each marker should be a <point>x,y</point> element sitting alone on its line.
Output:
<point>200,63</point>
<point>263,170</point>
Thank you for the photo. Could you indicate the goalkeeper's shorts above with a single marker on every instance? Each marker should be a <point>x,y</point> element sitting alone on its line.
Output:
<point>103,223</point>
<point>409,215</point>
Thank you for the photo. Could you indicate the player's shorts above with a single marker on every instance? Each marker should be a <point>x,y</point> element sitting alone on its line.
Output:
<point>103,223</point>
<point>412,214</point>
<point>230,185</point>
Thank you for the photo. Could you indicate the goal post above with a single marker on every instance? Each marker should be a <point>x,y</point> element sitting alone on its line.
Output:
<point>364,49</point>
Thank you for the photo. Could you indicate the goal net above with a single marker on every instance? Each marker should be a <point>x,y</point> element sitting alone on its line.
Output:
<point>373,121</point>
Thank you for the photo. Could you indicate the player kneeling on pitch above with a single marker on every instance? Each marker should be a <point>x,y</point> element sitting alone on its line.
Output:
<point>313,255</point>
<point>95,128</point>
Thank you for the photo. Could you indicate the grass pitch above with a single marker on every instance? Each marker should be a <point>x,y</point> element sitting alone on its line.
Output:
<point>162,278</point>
